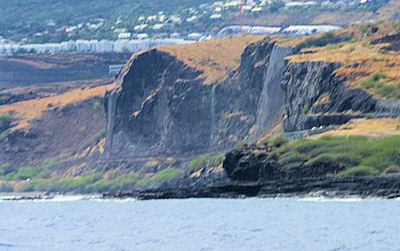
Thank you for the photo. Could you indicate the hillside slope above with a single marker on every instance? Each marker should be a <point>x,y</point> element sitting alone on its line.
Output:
<point>168,120</point>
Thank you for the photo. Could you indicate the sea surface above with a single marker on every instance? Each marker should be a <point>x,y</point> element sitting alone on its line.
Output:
<point>69,223</point>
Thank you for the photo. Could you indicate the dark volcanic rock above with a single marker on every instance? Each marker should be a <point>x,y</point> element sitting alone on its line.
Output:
<point>162,107</point>
<point>304,83</point>
<point>392,40</point>
<point>157,101</point>
<point>245,166</point>
<point>385,186</point>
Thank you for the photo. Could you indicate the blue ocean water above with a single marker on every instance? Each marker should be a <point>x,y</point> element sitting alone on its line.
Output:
<point>200,224</point>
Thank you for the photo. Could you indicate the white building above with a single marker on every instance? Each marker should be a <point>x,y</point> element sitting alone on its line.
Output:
<point>175,35</point>
<point>218,9</point>
<point>256,9</point>
<point>122,45</point>
<point>124,35</point>
<point>140,27</point>
<point>105,46</point>
<point>82,45</point>
<point>234,3</point>
<point>91,46</point>
<point>68,45</point>
<point>158,26</point>
<point>143,36</point>
<point>216,16</point>
<point>256,30</point>
<point>309,29</point>
<point>194,36</point>
<point>175,19</point>
<point>191,19</point>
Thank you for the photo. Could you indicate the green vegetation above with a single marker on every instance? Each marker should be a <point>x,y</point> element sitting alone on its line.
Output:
<point>96,182</point>
<point>19,18</point>
<point>305,109</point>
<point>5,168</point>
<point>65,154</point>
<point>204,161</point>
<point>161,177</point>
<point>6,188</point>
<point>342,156</point>
<point>359,171</point>
<point>277,141</point>
<point>40,149</point>
<point>40,185</point>
<point>5,122</point>
<point>62,184</point>
<point>324,39</point>
<point>373,80</point>
<point>385,90</point>
<point>122,181</point>
<point>25,172</point>
<point>80,181</point>
<point>354,155</point>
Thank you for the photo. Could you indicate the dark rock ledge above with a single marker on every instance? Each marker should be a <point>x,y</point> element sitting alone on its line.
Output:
<point>384,186</point>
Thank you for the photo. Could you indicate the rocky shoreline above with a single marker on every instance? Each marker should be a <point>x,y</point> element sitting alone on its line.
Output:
<point>383,186</point>
<point>363,187</point>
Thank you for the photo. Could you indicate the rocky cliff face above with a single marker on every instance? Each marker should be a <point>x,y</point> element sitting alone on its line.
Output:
<point>162,106</point>
<point>314,97</point>
<point>158,99</point>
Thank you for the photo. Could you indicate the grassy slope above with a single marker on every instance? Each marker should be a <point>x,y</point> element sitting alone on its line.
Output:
<point>354,155</point>
<point>214,57</point>
<point>366,127</point>
<point>362,146</point>
<point>364,65</point>
<point>29,110</point>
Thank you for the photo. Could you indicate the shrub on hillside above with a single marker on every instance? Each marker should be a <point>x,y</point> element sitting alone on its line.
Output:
<point>159,178</point>
<point>204,161</point>
<point>6,188</point>
<point>345,152</point>
<point>324,39</point>
<point>278,141</point>
<point>5,122</point>
<point>359,171</point>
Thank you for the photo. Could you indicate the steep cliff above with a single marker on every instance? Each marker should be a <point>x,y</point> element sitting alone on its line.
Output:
<point>173,113</point>
<point>151,107</point>
<point>305,83</point>
<point>315,96</point>
<point>161,106</point>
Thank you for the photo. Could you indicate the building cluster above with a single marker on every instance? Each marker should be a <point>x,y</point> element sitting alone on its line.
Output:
<point>87,46</point>
<point>268,30</point>
<point>159,23</point>
<point>133,45</point>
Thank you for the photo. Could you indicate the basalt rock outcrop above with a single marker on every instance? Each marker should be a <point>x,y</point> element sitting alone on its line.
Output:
<point>305,83</point>
<point>162,106</point>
